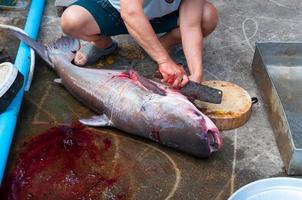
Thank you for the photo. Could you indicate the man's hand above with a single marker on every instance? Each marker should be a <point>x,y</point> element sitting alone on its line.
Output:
<point>173,74</point>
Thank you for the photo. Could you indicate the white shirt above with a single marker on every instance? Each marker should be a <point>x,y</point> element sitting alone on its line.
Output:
<point>153,8</point>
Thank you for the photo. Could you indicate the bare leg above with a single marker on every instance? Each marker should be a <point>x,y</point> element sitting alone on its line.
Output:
<point>209,22</point>
<point>77,22</point>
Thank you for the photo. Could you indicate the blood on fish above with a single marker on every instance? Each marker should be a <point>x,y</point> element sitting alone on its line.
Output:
<point>133,75</point>
<point>155,135</point>
<point>64,163</point>
<point>122,75</point>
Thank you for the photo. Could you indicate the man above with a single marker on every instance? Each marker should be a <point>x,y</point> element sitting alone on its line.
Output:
<point>182,21</point>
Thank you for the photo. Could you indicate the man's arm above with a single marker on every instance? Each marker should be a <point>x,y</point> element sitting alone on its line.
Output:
<point>190,20</point>
<point>141,30</point>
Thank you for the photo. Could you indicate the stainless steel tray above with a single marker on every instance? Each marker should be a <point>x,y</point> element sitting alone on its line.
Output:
<point>277,68</point>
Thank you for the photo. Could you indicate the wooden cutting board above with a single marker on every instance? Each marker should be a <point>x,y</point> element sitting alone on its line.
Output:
<point>234,110</point>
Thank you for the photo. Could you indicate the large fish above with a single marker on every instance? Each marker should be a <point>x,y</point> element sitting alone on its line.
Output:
<point>130,102</point>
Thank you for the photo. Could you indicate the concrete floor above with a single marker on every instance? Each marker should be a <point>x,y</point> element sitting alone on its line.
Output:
<point>249,153</point>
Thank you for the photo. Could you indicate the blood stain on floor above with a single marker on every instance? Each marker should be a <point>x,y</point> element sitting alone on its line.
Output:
<point>65,162</point>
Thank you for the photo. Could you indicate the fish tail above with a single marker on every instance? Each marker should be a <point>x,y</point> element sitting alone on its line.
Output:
<point>65,46</point>
<point>38,47</point>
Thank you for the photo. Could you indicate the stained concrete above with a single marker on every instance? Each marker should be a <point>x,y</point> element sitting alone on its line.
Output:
<point>249,153</point>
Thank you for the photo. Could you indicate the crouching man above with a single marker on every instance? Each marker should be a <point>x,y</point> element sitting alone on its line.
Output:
<point>183,21</point>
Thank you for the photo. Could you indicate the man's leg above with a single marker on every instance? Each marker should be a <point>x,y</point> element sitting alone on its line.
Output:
<point>77,22</point>
<point>209,22</point>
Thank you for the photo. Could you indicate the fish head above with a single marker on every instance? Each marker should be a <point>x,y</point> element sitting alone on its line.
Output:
<point>191,126</point>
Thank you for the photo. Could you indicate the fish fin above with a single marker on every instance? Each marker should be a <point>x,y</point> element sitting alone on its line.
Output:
<point>65,46</point>
<point>37,46</point>
<point>97,121</point>
<point>146,83</point>
<point>58,80</point>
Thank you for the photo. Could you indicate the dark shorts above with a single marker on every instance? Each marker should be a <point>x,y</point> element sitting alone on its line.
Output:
<point>111,23</point>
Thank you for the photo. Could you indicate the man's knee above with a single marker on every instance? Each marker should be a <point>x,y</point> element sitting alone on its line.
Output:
<point>72,21</point>
<point>210,18</point>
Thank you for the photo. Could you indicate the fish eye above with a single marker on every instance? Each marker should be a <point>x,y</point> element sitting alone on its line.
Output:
<point>197,113</point>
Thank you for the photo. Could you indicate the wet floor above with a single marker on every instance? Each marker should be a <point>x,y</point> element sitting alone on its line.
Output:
<point>249,153</point>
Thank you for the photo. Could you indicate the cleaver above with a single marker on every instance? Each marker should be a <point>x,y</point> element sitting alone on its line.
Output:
<point>196,91</point>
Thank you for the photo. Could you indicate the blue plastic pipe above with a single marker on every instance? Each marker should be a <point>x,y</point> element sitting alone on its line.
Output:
<point>8,119</point>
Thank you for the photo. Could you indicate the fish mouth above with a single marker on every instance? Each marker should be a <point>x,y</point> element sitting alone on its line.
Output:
<point>214,140</point>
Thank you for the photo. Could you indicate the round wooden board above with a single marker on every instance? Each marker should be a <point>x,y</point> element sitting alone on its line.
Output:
<point>234,110</point>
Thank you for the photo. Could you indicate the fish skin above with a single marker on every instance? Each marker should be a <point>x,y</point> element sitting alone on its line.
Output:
<point>169,119</point>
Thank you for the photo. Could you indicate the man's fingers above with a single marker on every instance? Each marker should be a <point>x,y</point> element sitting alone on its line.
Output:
<point>176,83</point>
<point>184,81</point>
<point>171,79</point>
<point>165,77</point>
<point>179,78</point>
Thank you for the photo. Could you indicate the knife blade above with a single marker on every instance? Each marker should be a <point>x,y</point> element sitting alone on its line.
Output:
<point>197,91</point>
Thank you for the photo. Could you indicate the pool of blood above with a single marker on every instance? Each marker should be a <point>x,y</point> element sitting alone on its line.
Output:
<point>63,163</point>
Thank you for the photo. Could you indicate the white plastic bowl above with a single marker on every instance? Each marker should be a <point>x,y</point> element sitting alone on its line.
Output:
<point>8,74</point>
<point>282,188</point>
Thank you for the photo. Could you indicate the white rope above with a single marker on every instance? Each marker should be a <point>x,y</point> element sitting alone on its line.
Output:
<point>32,55</point>
<point>247,39</point>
